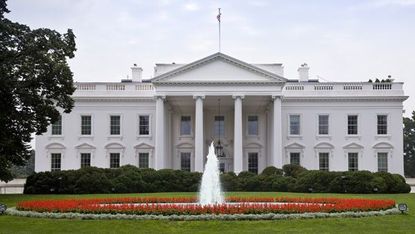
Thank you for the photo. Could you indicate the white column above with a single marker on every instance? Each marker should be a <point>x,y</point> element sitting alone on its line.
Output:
<point>276,144</point>
<point>237,145</point>
<point>160,134</point>
<point>199,133</point>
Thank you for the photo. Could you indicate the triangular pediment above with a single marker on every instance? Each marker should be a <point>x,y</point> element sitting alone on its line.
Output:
<point>218,68</point>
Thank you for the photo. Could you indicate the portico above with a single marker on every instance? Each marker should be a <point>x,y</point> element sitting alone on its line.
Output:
<point>193,92</point>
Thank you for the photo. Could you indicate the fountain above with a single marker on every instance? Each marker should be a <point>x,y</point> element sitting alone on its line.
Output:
<point>210,189</point>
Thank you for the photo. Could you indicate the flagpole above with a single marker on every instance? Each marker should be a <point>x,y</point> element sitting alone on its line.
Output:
<point>219,15</point>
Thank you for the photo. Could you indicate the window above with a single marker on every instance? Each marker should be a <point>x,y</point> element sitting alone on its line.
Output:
<point>57,127</point>
<point>323,161</point>
<point>144,125</point>
<point>353,162</point>
<point>85,160</point>
<point>253,162</point>
<point>55,162</point>
<point>143,159</point>
<point>185,161</point>
<point>86,125</point>
<point>383,162</point>
<point>323,124</point>
<point>219,125</point>
<point>294,124</point>
<point>253,125</point>
<point>295,158</point>
<point>114,160</point>
<point>185,126</point>
<point>382,124</point>
<point>352,124</point>
<point>115,125</point>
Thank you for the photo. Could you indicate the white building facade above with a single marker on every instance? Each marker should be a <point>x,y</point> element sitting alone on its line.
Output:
<point>259,117</point>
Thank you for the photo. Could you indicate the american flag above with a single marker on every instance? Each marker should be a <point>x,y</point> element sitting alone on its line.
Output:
<point>218,17</point>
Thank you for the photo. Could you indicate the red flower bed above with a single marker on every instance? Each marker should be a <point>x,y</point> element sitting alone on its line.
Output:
<point>187,205</point>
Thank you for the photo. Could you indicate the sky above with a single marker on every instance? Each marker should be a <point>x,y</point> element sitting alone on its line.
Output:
<point>342,40</point>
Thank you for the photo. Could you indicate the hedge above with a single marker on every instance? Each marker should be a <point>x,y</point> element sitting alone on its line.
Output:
<point>291,178</point>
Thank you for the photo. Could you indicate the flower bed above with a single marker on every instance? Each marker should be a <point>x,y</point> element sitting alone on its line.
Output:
<point>187,206</point>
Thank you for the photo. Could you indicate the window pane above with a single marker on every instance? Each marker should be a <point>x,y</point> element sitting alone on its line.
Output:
<point>57,127</point>
<point>353,161</point>
<point>324,161</point>
<point>185,161</point>
<point>383,162</point>
<point>115,124</point>
<point>382,124</point>
<point>85,160</point>
<point>219,125</point>
<point>323,124</point>
<point>185,125</point>
<point>86,125</point>
<point>352,124</point>
<point>253,162</point>
<point>222,167</point>
<point>294,124</point>
<point>295,158</point>
<point>55,162</point>
<point>143,160</point>
<point>144,124</point>
<point>253,125</point>
<point>114,160</point>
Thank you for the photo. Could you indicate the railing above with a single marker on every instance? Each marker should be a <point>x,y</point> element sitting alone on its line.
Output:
<point>333,88</point>
<point>382,86</point>
<point>86,87</point>
<point>144,87</point>
<point>117,87</point>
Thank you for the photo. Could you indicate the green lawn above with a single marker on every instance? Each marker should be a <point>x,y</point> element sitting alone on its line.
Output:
<point>385,224</point>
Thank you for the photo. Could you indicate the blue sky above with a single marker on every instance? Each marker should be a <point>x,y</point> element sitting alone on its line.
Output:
<point>340,40</point>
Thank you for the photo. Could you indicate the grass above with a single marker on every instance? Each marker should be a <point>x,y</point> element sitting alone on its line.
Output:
<point>384,224</point>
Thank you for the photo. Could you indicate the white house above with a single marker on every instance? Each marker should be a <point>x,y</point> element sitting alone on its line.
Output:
<point>259,117</point>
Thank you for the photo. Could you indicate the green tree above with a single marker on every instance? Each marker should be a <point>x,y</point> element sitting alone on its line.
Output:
<point>35,83</point>
<point>409,145</point>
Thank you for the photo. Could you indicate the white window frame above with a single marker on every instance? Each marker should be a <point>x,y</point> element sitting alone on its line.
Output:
<point>51,136</point>
<point>61,160</point>
<point>358,160</point>
<point>299,157</point>
<point>224,126</point>
<point>80,158</point>
<point>387,159</point>
<point>191,159</point>
<point>191,125</point>
<point>80,125</point>
<point>300,125</point>
<point>329,156</point>
<point>109,126</point>
<point>247,125</point>
<point>258,159</point>
<point>328,126</point>
<point>388,122</point>
<point>149,125</point>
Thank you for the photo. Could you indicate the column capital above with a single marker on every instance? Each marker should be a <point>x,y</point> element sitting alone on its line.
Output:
<point>195,97</point>
<point>238,96</point>
<point>274,97</point>
<point>162,97</point>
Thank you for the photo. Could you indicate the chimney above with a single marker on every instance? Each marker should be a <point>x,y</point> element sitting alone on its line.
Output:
<point>303,72</point>
<point>136,73</point>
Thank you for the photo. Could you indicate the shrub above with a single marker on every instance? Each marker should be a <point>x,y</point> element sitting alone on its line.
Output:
<point>314,181</point>
<point>293,170</point>
<point>271,170</point>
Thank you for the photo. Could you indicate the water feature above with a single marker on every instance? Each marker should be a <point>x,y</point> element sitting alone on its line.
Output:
<point>210,189</point>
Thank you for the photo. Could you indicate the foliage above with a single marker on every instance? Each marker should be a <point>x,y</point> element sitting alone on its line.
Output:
<point>293,170</point>
<point>271,170</point>
<point>35,81</point>
<point>409,145</point>
<point>27,169</point>
<point>130,179</point>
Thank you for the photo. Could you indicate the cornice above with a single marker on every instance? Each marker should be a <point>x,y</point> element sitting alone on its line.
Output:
<point>219,83</point>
